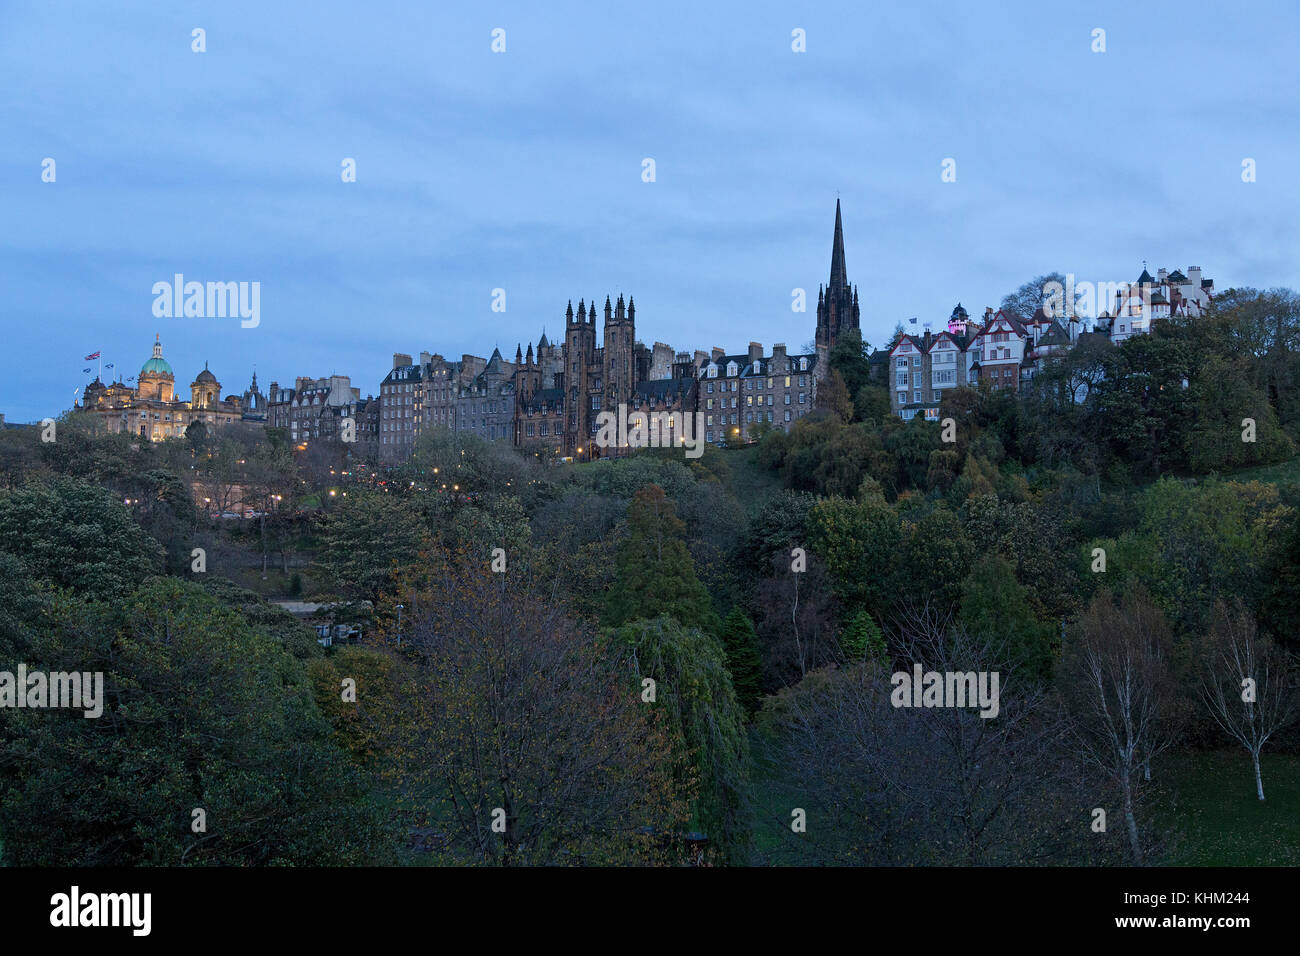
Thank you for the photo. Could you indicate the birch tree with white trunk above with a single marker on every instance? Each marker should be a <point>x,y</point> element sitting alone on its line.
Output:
<point>1248,684</point>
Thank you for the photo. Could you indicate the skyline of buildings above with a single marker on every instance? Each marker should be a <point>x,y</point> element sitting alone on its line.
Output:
<point>548,398</point>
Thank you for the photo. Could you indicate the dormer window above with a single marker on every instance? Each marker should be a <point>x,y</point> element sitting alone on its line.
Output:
<point>713,370</point>
<point>732,369</point>
<point>803,365</point>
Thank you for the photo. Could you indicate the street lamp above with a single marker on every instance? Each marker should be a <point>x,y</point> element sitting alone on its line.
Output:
<point>399,624</point>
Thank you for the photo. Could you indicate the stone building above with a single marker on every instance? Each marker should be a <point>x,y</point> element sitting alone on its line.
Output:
<point>738,392</point>
<point>151,408</point>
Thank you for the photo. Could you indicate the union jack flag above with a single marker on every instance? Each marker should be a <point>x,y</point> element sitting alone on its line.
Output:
<point>92,355</point>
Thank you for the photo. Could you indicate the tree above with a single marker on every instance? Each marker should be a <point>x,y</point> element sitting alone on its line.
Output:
<point>740,644</point>
<point>994,607</point>
<point>850,357</point>
<point>654,571</point>
<point>695,696</point>
<point>76,536</point>
<point>862,640</point>
<point>835,397</point>
<point>531,746</point>
<point>1118,675</point>
<point>200,713</point>
<point>366,539</point>
<point>851,538</point>
<point>1034,295</point>
<point>1248,684</point>
<point>882,785</point>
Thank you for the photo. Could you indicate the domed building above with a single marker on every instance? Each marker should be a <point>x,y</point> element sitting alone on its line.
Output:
<point>156,379</point>
<point>152,410</point>
<point>205,390</point>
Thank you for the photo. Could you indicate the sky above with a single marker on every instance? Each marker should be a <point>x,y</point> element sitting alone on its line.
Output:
<point>522,170</point>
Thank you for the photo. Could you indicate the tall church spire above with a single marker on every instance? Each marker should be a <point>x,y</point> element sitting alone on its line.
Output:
<point>837,308</point>
<point>839,275</point>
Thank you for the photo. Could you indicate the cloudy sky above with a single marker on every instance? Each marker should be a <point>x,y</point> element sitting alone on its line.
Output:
<point>522,170</point>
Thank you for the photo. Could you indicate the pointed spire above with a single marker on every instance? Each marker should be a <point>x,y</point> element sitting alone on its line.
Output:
<point>519,353</point>
<point>838,272</point>
<point>568,313</point>
<point>631,308</point>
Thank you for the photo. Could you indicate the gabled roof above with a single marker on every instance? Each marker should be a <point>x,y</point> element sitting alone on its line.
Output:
<point>1054,336</point>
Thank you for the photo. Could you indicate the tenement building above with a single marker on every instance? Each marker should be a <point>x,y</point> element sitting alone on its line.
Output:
<point>315,409</point>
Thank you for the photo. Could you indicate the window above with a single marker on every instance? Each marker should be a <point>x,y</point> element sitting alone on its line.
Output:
<point>916,397</point>
<point>937,396</point>
<point>902,362</point>
<point>803,365</point>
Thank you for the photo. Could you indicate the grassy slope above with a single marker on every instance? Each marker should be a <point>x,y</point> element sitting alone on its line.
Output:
<point>1211,800</point>
<point>1281,473</point>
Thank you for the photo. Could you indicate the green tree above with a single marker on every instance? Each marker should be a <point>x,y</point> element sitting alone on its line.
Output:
<point>654,571</point>
<point>365,540</point>
<point>855,539</point>
<point>693,691</point>
<point>76,536</point>
<point>994,609</point>
<point>740,642</point>
<point>199,713</point>
<point>862,640</point>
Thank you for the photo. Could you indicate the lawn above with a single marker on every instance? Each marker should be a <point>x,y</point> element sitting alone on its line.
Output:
<point>1210,798</point>
<point>1286,472</point>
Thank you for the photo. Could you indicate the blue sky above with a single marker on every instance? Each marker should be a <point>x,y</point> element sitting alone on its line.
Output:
<point>522,170</point>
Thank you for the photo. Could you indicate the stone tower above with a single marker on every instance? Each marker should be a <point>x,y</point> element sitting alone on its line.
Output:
<point>837,304</point>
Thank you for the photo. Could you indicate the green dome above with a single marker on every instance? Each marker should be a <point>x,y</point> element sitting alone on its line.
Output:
<point>157,366</point>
